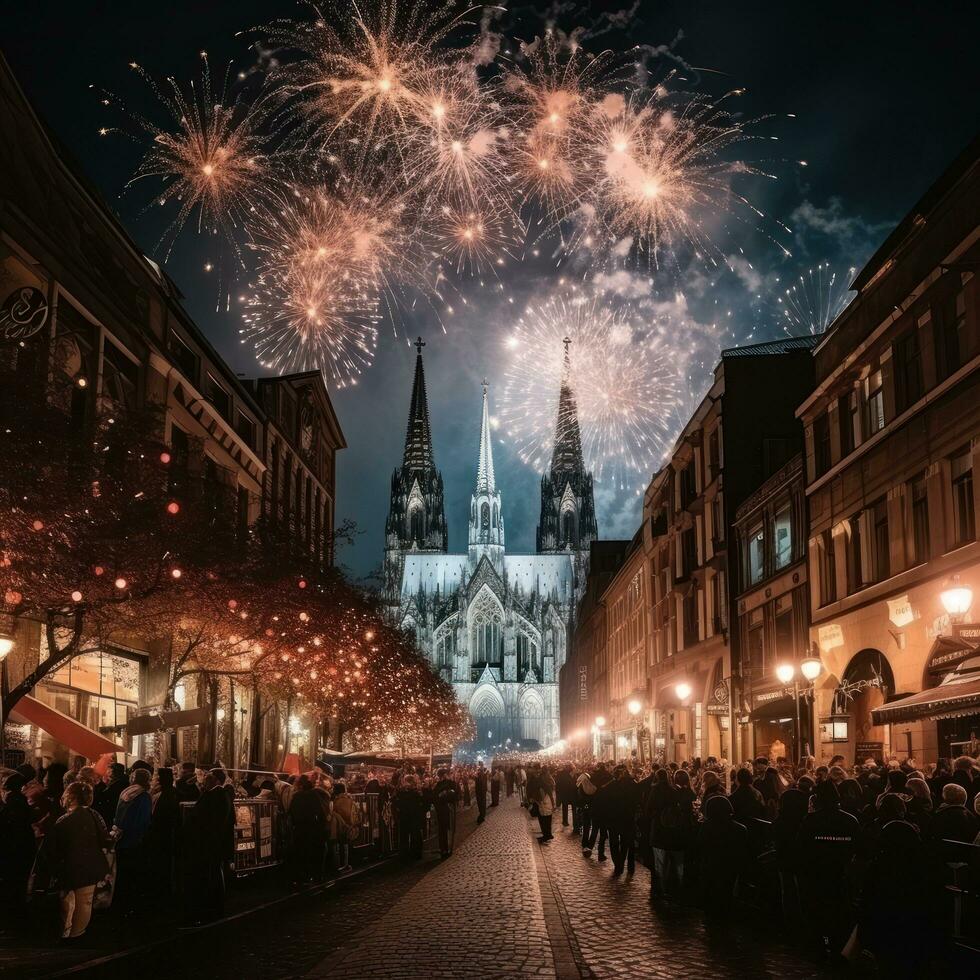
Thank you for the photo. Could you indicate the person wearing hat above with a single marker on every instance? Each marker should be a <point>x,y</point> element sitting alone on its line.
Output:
<point>17,844</point>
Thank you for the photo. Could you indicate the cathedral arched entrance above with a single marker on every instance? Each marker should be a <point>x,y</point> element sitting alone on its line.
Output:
<point>531,721</point>
<point>489,718</point>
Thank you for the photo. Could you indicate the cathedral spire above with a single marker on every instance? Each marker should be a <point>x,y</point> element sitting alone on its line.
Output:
<point>485,482</point>
<point>418,438</point>
<point>566,457</point>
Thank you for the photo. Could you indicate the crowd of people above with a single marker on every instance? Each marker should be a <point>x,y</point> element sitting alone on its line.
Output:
<point>851,857</point>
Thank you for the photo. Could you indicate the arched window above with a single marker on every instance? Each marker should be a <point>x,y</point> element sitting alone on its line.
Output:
<point>486,630</point>
<point>416,521</point>
<point>568,528</point>
<point>485,516</point>
<point>494,515</point>
<point>531,718</point>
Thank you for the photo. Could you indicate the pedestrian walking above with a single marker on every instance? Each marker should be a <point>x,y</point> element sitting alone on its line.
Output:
<point>545,804</point>
<point>410,809</point>
<point>481,791</point>
<point>565,788</point>
<point>446,797</point>
<point>496,779</point>
<point>17,844</point>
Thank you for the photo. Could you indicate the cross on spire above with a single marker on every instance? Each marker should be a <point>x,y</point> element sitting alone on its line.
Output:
<point>567,341</point>
<point>419,344</point>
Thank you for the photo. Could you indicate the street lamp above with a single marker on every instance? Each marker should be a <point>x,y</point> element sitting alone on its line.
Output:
<point>786,673</point>
<point>6,645</point>
<point>600,721</point>
<point>683,690</point>
<point>635,707</point>
<point>956,598</point>
<point>811,668</point>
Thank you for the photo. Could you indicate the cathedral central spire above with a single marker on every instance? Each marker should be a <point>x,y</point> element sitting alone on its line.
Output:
<point>485,482</point>
<point>566,456</point>
<point>418,437</point>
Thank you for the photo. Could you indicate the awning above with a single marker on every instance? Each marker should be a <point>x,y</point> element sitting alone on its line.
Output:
<point>954,699</point>
<point>781,707</point>
<point>949,652</point>
<point>62,728</point>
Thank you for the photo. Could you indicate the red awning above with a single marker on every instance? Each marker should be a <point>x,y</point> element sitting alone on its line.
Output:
<point>78,738</point>
<point>954,699</point>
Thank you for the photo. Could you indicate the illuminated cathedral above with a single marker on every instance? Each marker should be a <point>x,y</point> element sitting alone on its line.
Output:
<point>495,625</point>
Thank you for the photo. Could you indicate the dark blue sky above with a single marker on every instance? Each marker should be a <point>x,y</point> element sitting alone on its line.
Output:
<point>884,94</point>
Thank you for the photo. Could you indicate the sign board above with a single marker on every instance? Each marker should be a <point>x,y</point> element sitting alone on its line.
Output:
<point>900,611</point>
<point>583,683</point>
<point>873,750</point>
<point>830,637</point>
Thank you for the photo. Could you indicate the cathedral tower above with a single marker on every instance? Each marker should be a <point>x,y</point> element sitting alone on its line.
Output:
<point>568,520</point>
<point>416,517</point>
<point>486,516</point>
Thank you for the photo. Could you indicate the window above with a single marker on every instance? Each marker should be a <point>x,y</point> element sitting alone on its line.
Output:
<point>218,397</point>
<point>689,552</point>
<point>783,534</point>
<point>828,569</point>
<point>485,517</point>
<point>717,522</point>
<point>486,639</point>
<point>821,443</point>
<point>120,377</point>
<point>847,418</point>
<point>880,554</point>
<point>964,517</point>
<point>184,358</point>
<point>690,624</point>
<point>246,430</point>
<point>908,369</point>
<point>874,405</point>
<point>757,554</point>
<point>857,576</point>
<point>714,455</point>
<point>920,520</point>
<point>180,454</point>
<point>416,523</point>
<point>688,484</point>
<point>950,334</point>
<point>785,649</point>
<point>756,643</point>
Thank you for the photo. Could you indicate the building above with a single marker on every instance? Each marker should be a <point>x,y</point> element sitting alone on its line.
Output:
<point>583,690</point>
<point>771,614</point>
<point>495,625</point>
<point>892,446</point>
<point>107,315</point>
<point>743,431</point>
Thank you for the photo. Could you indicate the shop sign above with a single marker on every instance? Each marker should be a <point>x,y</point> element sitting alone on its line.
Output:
<point>713,708</point>
<point>967,631</point>
<point>583,684</point>
<point>830,636</point>
<point>23,314</point>
<point>767,696</point>
<point>873,750</point>
<point>900,611</point>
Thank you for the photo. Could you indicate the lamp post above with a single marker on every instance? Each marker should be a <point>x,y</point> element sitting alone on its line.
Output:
<point>810,668</point>
<point>6,645</point>
<point>956,598</point>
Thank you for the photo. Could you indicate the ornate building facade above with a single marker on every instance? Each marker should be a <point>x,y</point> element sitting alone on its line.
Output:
<point>494,625</point>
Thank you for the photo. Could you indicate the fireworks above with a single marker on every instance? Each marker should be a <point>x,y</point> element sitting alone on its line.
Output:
<point>813,302</point>
<point>621,374</point>
<point>210,159</point>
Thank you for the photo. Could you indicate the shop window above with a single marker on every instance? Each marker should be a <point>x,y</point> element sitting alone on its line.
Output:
<point>920,520</point>
<point>908,369</point>
<point>757,554</point>
<point>874,404</point>
<point>964,516</point>
<point>783,534</point>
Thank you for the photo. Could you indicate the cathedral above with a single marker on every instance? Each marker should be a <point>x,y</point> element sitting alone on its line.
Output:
<point>495,625</point>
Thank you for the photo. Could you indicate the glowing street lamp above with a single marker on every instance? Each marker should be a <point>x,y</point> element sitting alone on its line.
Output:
<point>600,721</point>
<point>635,707</point>
<point>6,645</point>
<point>956,598</point>
<point>683,690</point>
<point>811,668</point>
<point>785,673</point>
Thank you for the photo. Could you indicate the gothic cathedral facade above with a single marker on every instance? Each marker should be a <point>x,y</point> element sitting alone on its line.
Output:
<point>495,625</point>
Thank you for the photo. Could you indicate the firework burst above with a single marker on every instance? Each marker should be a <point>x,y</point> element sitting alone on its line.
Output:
<point>622,377</point>
<point>210,158</point>
<point>814,301</point>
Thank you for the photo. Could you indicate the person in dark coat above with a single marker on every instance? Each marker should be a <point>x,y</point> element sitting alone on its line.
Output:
<point>410,808</point>
<point>209,847</point>
<point>670,819</point>
<point>786,831</point>
<point>107,794</point>
<point>565,789</point>
<point>445,796</point>
<point>746,800</point>
<point>186,788</point>
<point>77,846</point>
<point>481,791</point>
<point>598,831</point>
<point>620,810</point>
<point>953,821</point>
<point>131,825</point>
<point>828,840</point>
<point>164,824</point>
<point>723,855</point>
<point>309,821</point>
<point>17,844</point>
<point>510,781</point>
<point>495,787</point>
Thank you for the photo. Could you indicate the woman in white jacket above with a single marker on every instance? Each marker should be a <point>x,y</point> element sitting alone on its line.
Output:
<point>546,805</point>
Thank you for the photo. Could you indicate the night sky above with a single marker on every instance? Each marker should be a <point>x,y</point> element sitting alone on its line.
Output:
<point>884,97</point>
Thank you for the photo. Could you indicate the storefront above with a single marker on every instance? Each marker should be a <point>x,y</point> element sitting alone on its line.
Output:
<point>773,720</point>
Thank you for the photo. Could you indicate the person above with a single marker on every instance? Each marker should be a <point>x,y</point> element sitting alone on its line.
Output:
<point>342,824</point>
<point>669,817</point>
<point>566,791</point>
<point>746,800</point>
<point>520,777</point>
<point>186,788</point>
<point>972,748</point>
<point>769,788</point>
<point>953,821</point>
<point>446,796</point>
<point>164,822</point>
<point>107,794</point>
<point>585,791</point>
<point>546,805</point>
<point>919,807</point>
<point>130,826</point>
<point>510,781</point>
<point>496,778</point>
<point>209,847</point>
<point>79,840</point>
<point>620,806</point>
<point>308,819</point>
<point>963,775</point>
<point>851,797</point>
<point>785,832</point>
<point>410,808</point>
<point>723,853</point>
<point>481,791</point>
<point>828,839</point>
<point>17,844</point>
